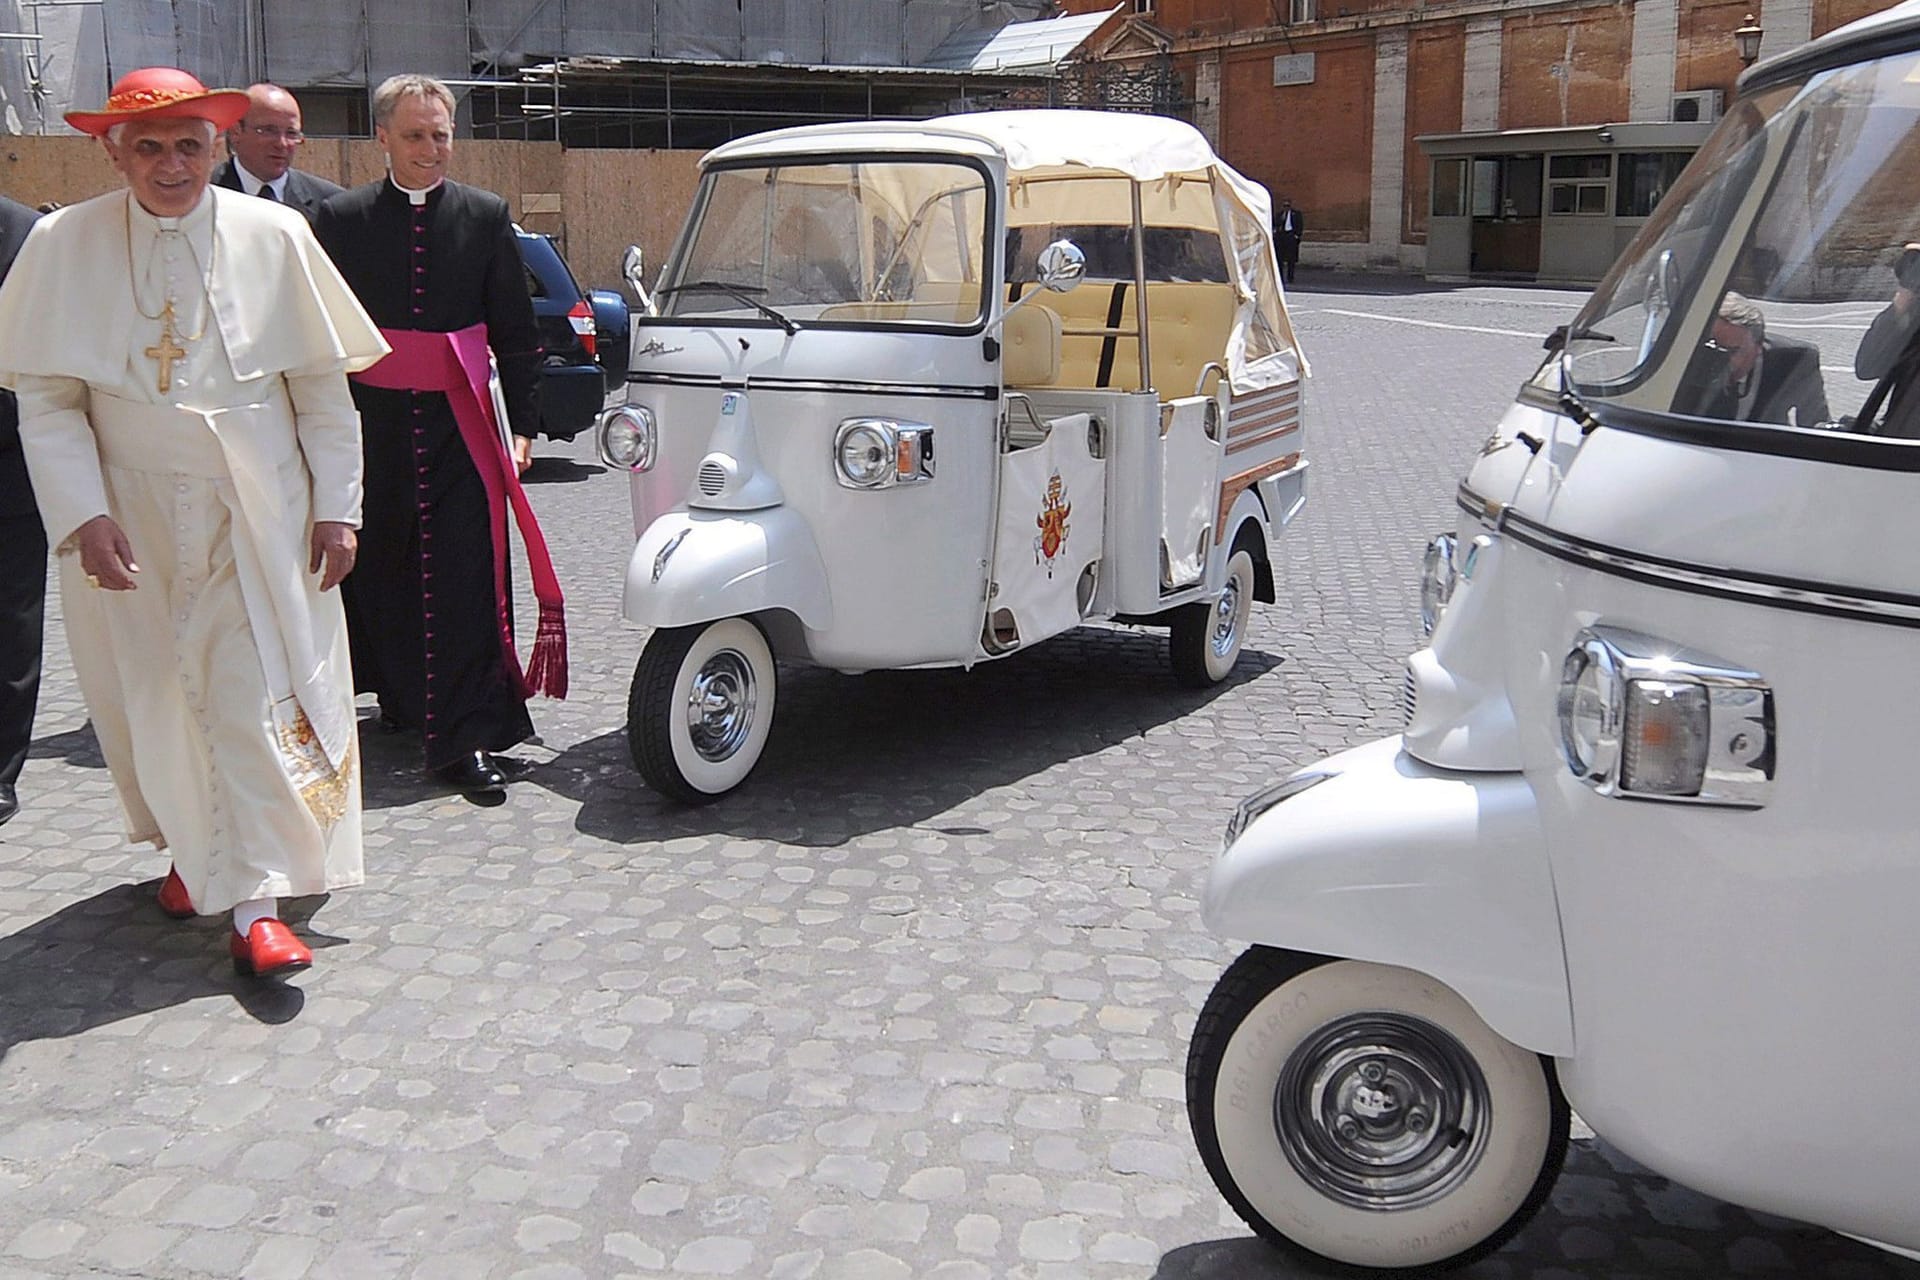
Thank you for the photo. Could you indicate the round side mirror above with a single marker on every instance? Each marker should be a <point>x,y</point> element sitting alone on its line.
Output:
<point>1061,266</point>
<point>633,268</point>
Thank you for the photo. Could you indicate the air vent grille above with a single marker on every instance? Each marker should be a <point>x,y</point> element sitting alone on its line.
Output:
<point>1410,696</point>
<point>713,479</point>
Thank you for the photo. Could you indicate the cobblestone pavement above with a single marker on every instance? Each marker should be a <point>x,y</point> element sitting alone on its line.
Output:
<point>914,1003</point>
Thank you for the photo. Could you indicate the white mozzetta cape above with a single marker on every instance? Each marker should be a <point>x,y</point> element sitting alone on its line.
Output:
<point>67,309</point>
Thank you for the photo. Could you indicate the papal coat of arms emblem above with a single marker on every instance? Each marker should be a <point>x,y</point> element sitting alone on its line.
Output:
<point>1053,525</point>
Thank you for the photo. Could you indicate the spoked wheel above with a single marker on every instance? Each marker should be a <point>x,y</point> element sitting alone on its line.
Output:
<point>701,707</point>
<point>1206,638</point>
<point>1364,1114</point>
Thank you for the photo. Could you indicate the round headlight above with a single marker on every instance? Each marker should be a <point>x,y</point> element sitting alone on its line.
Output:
<point>1436,581</point>
<point>864,452</point>
<point>628,438</point>
<point>1591,705</point>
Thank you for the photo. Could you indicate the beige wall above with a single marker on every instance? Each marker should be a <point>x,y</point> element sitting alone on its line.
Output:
<point>596,202</point>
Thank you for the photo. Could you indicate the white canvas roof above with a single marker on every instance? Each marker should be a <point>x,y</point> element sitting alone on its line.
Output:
<point>1144,147</point>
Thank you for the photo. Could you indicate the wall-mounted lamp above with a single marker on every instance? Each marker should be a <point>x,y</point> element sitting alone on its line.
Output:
<point>1746,38</point>
<point>1605,135</point>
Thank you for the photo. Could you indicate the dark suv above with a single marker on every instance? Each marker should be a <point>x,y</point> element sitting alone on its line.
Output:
<point>585,336</point>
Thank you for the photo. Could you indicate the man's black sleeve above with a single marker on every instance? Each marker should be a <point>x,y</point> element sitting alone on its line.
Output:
<point>512,330</point>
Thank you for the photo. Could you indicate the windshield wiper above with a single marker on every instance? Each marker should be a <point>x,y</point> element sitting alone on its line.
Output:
<point>1561,334</point>
<point>744,292</point>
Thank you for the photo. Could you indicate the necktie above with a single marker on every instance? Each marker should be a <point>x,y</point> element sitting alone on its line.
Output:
<point>266,193</point>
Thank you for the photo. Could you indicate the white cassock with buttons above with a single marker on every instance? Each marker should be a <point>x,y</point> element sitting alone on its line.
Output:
<point>187,376</point>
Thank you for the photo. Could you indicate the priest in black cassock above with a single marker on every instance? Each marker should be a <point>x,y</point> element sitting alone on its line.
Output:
<point>428,607</point>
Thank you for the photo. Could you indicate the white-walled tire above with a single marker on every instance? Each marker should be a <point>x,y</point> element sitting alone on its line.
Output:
<point>701,708</point>
<point>1363,1114</point>
<point>1206,639</point>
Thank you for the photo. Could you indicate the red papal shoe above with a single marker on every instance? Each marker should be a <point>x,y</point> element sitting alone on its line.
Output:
<point>268,950</point>
<point>173,897</point>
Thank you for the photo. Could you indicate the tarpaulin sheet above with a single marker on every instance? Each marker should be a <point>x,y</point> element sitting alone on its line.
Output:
<point>792,31</point>
<point>428,36</point>
<point>314,44</point>
<point>927,25</point>
<point>83,48</point>
<point>610,29</point>
<point>698,29</point>
<point>527,27</point>
<point>71,55</point>
<point>361,42</point>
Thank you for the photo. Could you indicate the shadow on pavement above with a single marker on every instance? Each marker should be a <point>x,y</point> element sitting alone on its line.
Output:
<point>77,747</point>
<point>1609,1218</point>
<point>851,755</point>
<point>559,471</point>
<point>114,956</point>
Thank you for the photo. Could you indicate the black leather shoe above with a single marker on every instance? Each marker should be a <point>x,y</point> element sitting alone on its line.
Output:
<point>476,775</point>
<point>9,801</point>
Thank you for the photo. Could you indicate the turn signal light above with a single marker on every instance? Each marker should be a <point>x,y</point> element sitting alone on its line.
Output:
<point>580,318</point>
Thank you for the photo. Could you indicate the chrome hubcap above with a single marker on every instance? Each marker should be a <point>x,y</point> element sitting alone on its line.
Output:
<point>1226,618</point>
<point>1382,1112</point>
<point>720,705</point>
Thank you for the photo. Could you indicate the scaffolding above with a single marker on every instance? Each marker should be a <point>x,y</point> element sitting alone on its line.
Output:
<point>607,102</point>
<point>787,57</point>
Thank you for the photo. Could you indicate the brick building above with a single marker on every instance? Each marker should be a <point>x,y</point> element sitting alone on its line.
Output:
<point>1525,139</point>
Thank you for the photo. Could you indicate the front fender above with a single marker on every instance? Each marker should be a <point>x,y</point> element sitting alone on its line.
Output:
<point>699,566</point>
<point>1393,861</point>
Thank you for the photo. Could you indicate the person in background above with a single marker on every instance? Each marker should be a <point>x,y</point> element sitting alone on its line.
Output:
<point>1288,227</point>
<point>196,460</point>
<point>1889,358</point>
<point>23,564</point>
<point>1765,379</point>
<point>436,265</point>
<point>260,151</point>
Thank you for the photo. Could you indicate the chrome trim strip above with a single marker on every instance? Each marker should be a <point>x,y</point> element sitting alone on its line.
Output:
<point>763,383</point>
<point>1829,599</point>
<point>1240,444</point>
<point>1240,426</point>
<point>1485,510</point>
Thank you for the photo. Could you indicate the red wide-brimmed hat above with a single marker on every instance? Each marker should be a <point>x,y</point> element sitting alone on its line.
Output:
<point>162,93</point>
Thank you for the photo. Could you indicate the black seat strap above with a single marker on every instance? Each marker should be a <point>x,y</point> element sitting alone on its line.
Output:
<point>1109,345</point>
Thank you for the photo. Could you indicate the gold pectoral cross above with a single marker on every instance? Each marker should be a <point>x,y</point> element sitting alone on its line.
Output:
<point>165,351</point>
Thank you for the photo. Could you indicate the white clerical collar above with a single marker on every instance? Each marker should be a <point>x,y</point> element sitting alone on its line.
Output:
<point>251,185</point>
<point>200,216</point>
<point>414,197</point>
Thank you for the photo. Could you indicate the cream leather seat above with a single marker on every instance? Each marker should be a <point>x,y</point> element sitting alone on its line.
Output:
<point>1030,347</point>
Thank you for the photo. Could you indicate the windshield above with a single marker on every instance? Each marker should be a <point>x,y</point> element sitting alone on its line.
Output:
<point>866,242</point>
<point>1778,282</point>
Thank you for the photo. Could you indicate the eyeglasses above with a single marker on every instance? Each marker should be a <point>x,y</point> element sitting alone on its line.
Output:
<point>267,133</point>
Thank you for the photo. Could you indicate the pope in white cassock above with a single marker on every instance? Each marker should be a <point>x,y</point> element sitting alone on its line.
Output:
<point>180,353</point>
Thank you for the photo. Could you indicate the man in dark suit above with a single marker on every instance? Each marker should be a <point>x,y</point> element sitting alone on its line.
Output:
<point>1766,379</point>
<point>23,564</point>
<point>261,150</point>
<point>1288,227</point>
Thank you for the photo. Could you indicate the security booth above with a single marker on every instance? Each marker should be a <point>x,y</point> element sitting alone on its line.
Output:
<point>1548,205</point>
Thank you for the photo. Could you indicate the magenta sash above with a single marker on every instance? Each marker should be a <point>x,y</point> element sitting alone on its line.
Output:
<point>457,365</point>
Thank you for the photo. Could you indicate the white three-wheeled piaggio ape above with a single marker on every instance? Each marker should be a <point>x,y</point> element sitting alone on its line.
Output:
<point>925,394</point>
<point>1646,847</point>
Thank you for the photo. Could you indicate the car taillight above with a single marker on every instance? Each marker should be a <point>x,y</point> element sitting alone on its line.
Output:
<point>581,318</point>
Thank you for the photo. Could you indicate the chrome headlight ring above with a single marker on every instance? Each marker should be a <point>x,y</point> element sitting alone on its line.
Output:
<point>880,453</point>
<point>1437,578</point>
<point>628,438</point>
<point>1645,718</point>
